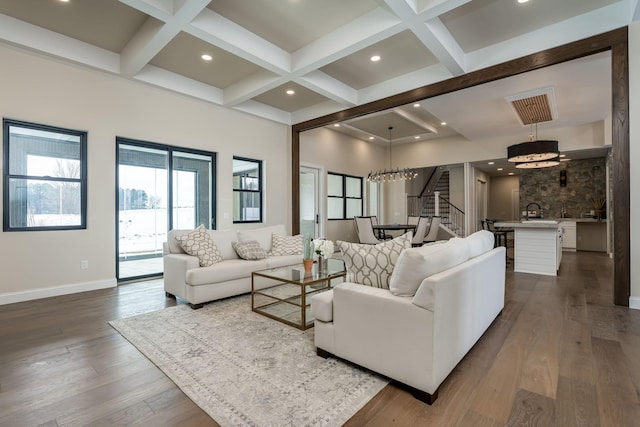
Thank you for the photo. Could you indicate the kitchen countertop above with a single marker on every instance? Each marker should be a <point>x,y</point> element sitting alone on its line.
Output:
<point>532,223</point>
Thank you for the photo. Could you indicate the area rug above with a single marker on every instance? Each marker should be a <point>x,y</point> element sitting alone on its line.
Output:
<point>245,369</point>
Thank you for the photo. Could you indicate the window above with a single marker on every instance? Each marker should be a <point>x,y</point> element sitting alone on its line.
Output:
<point>344,195</point>
<point>45,177</point>
<point>247,190</point>
<point>159,188</point>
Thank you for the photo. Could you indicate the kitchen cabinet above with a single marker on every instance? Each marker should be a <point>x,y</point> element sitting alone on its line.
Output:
<point>569,239</point>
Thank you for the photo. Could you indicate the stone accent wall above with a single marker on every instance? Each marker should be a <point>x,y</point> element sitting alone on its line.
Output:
<point>586,179</point>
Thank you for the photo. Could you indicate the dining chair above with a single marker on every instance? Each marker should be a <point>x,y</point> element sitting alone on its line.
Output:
<point>364,228</point>
<point>432,234</point>
<point>421,231</point>
<point>413,219</point>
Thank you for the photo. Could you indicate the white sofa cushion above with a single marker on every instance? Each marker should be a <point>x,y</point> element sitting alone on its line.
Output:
<point>286,245</point>
<point>416,264</point>
<point>224,271</point>
<point>224,241</point>
<point>199,243</point>
<point>283,260</point>
<point>372,265</point>
<point>480,242</point>
<point>262,235</point>
<point>250,250</point>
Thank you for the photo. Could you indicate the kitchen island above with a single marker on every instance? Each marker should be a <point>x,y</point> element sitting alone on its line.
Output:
<point>537,245</point>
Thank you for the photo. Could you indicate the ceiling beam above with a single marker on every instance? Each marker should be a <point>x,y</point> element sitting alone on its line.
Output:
<point>155,35</point>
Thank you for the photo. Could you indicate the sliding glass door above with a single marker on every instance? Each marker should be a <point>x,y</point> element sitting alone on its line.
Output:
<point>147,174</point>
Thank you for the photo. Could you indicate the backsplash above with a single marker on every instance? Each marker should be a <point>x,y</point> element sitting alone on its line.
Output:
<point>586,179</point>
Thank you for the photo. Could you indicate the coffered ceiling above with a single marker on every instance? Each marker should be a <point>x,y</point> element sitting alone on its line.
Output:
<point>322,50</point>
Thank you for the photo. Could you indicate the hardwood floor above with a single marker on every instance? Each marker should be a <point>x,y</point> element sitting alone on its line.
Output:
<point>560,355</point>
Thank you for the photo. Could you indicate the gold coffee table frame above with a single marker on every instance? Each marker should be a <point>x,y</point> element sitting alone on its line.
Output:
<point>284,293</point>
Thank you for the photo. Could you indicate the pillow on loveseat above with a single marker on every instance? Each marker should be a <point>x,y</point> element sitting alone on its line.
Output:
<point>250,250</point>
<point>286,245</point>
<point>200,244</point>
<point>372,265</point>
<point>416,264</point>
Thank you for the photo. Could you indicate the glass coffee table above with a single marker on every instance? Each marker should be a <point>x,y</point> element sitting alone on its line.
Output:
<point>284,293</point>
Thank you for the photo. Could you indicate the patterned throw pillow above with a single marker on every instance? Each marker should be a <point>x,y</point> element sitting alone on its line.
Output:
<point>199,243</point>
<point>249,250</point>
<point>287,245</point>
<point>372,265</point>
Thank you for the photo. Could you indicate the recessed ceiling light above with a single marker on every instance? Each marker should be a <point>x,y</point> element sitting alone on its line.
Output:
<point>563,155</point>
<point>491,163</point>
<point>64,1</point>
<point>510,173</point>
<point>206,57</point>
<point>416,137</point>
<point>375,58</point>
<point>443,123</point>
<point>371,138</point>
<point>416,105</point>
<point>500,169</point>
<point>337,125</point>
<point>522,1</point>
<point>290,92</point>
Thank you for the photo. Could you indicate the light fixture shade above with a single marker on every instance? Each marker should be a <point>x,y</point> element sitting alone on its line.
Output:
<point>533,151</point>
<point>539,164</point>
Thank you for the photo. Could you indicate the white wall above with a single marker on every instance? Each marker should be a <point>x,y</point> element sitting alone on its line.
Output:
<point>634,160</point>
<point>38,89</point>
<point>341,154</point>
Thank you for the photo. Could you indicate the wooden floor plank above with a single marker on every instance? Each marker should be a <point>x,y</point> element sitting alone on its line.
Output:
<point>532,409</point>
<point>576,404</point>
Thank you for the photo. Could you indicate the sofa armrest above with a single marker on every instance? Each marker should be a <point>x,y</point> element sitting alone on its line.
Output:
<point>175,272</point>
<point>322,306</point>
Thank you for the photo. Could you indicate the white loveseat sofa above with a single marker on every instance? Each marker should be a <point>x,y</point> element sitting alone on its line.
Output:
<point>419,336</point>
<point>184,278</point>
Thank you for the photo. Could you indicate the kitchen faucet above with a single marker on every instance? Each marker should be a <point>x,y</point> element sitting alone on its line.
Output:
<point>533,204</point>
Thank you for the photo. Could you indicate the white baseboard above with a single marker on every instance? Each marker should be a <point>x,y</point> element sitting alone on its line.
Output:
<point>11,297</point>
<point>634,302</point>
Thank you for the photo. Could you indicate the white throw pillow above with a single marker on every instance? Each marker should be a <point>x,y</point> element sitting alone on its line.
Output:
<point>199,243</point>
<point>287,245</point>
<point>416,264</point>
<point>372,265</point>
<point>480,242</point>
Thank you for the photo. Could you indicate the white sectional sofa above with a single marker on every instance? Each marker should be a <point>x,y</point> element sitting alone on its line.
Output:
<point>446,296</point>
<point>184,278</point>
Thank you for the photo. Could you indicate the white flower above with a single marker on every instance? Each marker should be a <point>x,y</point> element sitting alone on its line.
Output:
<point>323,247</point>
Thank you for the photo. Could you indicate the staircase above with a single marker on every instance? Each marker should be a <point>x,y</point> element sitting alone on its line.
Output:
<point>425,205</point>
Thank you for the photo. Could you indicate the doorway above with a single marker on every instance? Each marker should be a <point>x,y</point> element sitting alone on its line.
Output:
<point>310,218</point>
<point>158,188</point>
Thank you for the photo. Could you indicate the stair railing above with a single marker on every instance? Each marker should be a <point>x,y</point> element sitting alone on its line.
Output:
<point>452,216</point>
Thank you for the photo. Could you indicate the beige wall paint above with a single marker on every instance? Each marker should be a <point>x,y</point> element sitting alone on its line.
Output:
<point>634,160</point>
<point>500,197</point>
<point>336,152</point>
<point>38,89</point>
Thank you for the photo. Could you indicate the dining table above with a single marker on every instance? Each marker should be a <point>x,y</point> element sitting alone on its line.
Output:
<point>381,228</point>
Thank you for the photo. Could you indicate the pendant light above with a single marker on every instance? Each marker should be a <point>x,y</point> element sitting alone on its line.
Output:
<point>535,153</point>
<point>390,174</point>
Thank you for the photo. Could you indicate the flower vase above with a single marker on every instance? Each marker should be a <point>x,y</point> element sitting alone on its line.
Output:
<point>308,264</point>
<point>322,264</point>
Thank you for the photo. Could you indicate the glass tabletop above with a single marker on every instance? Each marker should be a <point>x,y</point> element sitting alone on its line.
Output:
<point>296,273</point>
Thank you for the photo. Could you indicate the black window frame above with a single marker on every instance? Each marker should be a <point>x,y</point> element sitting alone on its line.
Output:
<point>344,196</point>
<point>259,191</point>
<point>7,175</point>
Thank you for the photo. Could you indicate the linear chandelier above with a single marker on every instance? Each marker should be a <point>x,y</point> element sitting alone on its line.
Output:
<point>389,175</point>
